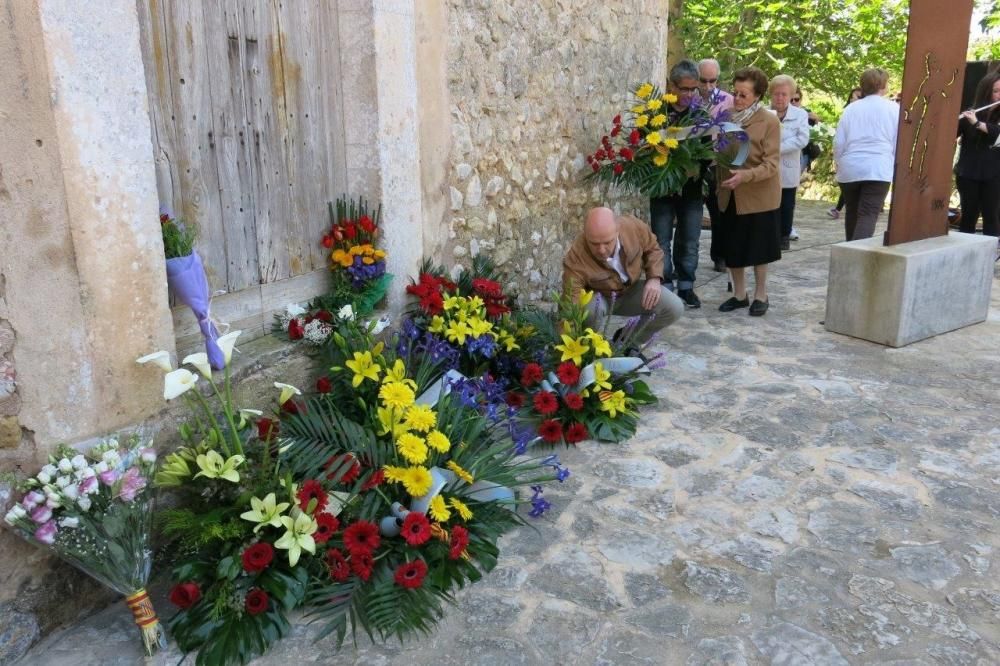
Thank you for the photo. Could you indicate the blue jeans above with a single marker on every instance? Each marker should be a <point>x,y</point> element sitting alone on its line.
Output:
<point>682,263</point>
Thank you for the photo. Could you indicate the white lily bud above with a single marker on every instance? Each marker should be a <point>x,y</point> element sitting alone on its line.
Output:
<point>53,502</point>
<point>100,467</point>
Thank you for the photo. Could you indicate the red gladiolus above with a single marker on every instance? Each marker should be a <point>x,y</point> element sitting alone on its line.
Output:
<point>616,130</point>
<point>411,574</point>
<point>361,537</point>
<point>531,374</point>
<point>266,429</point>
<point>416,528</point>
<point>312,490</point>
<point>324,385</point>
<point>619,168</point>
<point>340,570</point>
<point>550,431</point>
<point>257,557</point>
<point>459,541</point>
<point>295,329</point>
<point>626,154</point>
<point>599,155</point>
<point>617,120</point>
<point>576,432</point>
<point>256,602</point>
<point>374,480</point>
<point>568,373</point>
<point>546,402</point>
<point>350,231</point>
<point>326,525</point>
<point>362,563</point>
<point>185,595</point>
<point>515,399</point>
<point>366,223</point>
<point>327,242</point>
<point>634,137</point>
<point>573,401</point>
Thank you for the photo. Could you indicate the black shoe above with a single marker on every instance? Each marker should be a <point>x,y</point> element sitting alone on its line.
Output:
<point>734,303</point>
<point>690,298</point>
<point>758,308</point>
<point>785,243</point>
<point>719,266</point>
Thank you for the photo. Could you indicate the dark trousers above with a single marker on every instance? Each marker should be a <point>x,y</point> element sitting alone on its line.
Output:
<point>682,263</point>
<point>979,197</point>
<point>864,200</point>
<point>717,250</point>
<point>840,200</point>
<point>787,210</point>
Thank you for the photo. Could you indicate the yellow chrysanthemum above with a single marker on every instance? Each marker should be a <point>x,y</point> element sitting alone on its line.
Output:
<point>573,349</point>
<point>654,104</point>
<point>420,417</point>
<point>644,91</point>
<point>464,512</point>
<point>396,394</point>
<point>601,377</point>
<point>641,120</point>
<point>438,441</point>
<point>612,402</point>
<point>412,448</point>
<point>658,120</point>
<point>660,160</point>
<point>671,143</point>
<point>363,367</point>
<point>653,138</point>
<point>460,472</point>
<point>638,108</point>
<point>439,510</point>
<point>416,480</point>
<point>669,98</point>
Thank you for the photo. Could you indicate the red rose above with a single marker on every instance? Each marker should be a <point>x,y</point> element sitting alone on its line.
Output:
<point>185,595</point>
<point>531,374</point>
<point>576,432</point>
<point>323,315</point>
<point>573,401</point>
<point>550,431</point>
<point>459,541</point>
<point>327,242</point>
<point>347,475</point>
<point>633,137</point>
<point>546,402</point>
<point>266,429</point>
<point>337,233</point>
<point>295,329</point>
<point>515,399</point>
<point>312,490</point>
<point>416,528</point>
<point>361,537</point>
<point>362,563</point>
<point>257,557</point>
<point>599,155</point>
<point>568,373</point>
<point>350,231</point>
<point>256,602</point>
<point>366,223</point>
<point>324,385</point>
<point>611,153</point>
<point>616,130</point>
<point>618,168</point>
<point>411,574</point>
<point>340,570</point>
<point>374,480</point>
<point>326,525</point>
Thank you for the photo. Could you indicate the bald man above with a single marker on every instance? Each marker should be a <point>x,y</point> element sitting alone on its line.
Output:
<point>610,257</point>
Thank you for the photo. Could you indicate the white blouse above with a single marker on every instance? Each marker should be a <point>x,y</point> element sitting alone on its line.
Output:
<point>865,144</point>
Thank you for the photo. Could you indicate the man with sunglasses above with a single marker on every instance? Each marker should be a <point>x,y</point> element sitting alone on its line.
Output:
<point>718,101</point>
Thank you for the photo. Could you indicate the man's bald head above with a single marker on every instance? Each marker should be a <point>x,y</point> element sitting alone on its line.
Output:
<point>600,230</point>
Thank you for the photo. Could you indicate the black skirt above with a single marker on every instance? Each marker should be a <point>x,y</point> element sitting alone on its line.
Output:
<point>752,239</point>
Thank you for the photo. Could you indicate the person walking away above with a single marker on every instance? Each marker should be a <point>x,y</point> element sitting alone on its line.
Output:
<point>835,211</point>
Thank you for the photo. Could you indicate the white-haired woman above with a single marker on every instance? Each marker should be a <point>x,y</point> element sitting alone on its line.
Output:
<point>794,137</point>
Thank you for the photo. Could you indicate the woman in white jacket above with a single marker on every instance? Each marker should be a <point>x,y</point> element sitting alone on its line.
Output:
<point>794,137</point>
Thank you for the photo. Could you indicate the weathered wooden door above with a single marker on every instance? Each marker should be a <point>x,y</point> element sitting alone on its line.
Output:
<point>247,120</point>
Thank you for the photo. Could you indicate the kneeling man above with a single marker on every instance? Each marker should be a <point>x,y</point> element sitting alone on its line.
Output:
<point>609,257</point>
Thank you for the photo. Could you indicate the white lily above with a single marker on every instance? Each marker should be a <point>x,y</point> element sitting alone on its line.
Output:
<point>200,361</point>
<point>298,537</point>
<point>287,391</point>
<point>265,512</point>
<point>226,343</point>
<point>212,466</point>
<point>247,413</point>
<point>177,382</point>
<point>160,359</point>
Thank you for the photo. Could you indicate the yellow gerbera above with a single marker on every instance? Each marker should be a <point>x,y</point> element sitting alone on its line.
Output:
<point>416,480</point>
<point>653,138</point>
<point>439,509</point>
<point>660,160</point>
<point>654,104</point>
<point>641,120</point>
<point>573,349</point>
<point>669,98</point>
<point>394,474</point>
<point>438,441</point>
<point>658,120</point>
<point>464,512</point>
<point>671,143</point>
<point>460,472</point>
<point>363,367</point>
<point>601,377</point>
<point>412,448</point>
<point>396,394</point>
<point>421,418</point>
<point>612,402</point>
<point>644,91</point>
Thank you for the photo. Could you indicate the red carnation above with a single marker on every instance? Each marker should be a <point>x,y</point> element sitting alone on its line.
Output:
<point>350,231</point>
<point>257,601</point>
<point>618,168</point>
<point>568,373</point>
<point>266,429</point>
<point>550,431</point>
<point>546,402</point>
<point>416,528</point>
<point>340,570</point>
<point>531,374</point>
<point>573,401</point>
<point>515,399</point>
<point>362,564</point>
<point>326,525</point>
<point>336,462</point>
<point>459,541</point>
<point>295,329</point>
<point>312,490</point>
<point>366,223</point>
<point>324,385</point>
<point>411,574</point>
<point>599,155</point>
<point>257,557</point>
<point>576,432</point>
<point>633,137</point>
<point>374,480</point>
<point>185,595</point>
<point>361,537</point>
<point>327,242</point>
<point>485,287</point>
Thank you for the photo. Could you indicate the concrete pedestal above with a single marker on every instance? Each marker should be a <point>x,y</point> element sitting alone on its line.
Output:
<point>904,293</point>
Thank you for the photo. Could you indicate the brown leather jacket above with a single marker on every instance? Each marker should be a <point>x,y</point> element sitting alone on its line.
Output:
<point>639,252</point>
<point>761,189</point>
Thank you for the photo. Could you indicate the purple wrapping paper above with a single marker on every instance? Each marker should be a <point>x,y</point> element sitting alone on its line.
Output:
<point>187,280</point>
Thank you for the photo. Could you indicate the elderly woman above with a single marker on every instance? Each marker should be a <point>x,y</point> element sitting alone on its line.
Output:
<point>749,196</point>
<point>864,149</point>
<point>794,137</point>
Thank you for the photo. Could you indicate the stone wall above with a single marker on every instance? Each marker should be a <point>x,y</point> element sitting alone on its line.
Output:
<point>532,88</point>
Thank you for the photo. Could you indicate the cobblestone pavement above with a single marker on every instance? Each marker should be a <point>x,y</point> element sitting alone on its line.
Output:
<point>797,497</point>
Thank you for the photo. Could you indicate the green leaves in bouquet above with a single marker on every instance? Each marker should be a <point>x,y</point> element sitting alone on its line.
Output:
<point>226,637</point>
<point>178,238</point>
<point>618,429</point>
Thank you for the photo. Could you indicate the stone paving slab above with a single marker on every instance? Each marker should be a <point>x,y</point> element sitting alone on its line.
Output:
<point>797,497</point>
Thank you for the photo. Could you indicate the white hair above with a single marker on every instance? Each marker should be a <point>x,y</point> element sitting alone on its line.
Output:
<point>709,61</point>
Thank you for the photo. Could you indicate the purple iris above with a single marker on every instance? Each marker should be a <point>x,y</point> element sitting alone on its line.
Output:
<point>539,504</point>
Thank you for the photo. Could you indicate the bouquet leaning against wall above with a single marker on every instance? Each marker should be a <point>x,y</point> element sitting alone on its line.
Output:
<point>92,506</point>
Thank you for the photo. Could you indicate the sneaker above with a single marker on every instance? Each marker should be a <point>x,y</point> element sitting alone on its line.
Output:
<point>794,235</point>
<point>734,303</point>
<point>785,244</point>
<point>690,298</point>
<point>834,213</point>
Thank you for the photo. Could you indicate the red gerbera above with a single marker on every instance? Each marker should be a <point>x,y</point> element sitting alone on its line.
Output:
<point>326,525</point>
<point>551,431</point>
<point>374,480</point>
<point>573,401</point>
<point>337,463</point>
<point>546,402</point>
<point>312,490</point>
<point>340,570</point>
<point>485,287</point>
<point>361,537</point>
<point>324,385</point>
<point>257,601</point>
<point>295,329</point>
<point>266,429</point>
<point>416,528</point>
<point>531,374</point>
<point>362,564</point>
<point>411,574</point>
<point>568,373</point>
<point>459,541</point>
<point>576,432</point>
<point>257,557</point>
<point>515,399</point>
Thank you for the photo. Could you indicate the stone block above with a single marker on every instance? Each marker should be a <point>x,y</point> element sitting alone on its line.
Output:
<point>903,293</point>
<point>18,632</point>
<point>10,432</point>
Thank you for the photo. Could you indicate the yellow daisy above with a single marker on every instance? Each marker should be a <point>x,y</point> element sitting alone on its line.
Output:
<point>420,417</point>
<point>412,448</point>
<point>417,481</point>
<point>439,509</point>
<point>438,441</point>
<point>464,512</point>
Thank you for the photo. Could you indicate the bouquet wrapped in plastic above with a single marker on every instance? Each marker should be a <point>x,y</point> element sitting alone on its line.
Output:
<point>94,510</point>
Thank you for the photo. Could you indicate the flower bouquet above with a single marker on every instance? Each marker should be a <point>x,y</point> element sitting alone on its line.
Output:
<point>654,151</point>
<point>94,510</point>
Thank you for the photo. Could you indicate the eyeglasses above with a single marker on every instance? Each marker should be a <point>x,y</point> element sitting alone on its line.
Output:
<point>687,90</point>
<point>708,80</point>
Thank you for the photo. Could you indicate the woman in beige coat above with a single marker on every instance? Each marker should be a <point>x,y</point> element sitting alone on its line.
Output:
<point>749,196</point>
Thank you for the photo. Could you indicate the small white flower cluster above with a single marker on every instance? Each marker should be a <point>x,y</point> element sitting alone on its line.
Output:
<point>317,331</point>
